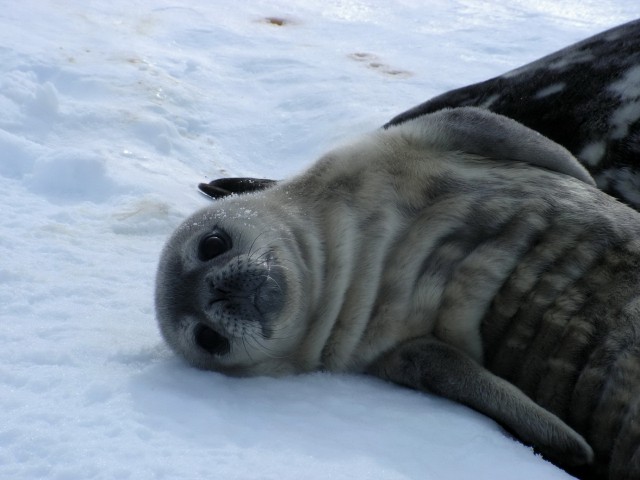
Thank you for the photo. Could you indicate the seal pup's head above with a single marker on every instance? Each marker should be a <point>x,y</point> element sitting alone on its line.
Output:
<point>228,288</point>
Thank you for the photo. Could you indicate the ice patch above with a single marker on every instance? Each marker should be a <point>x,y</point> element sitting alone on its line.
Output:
<point>9,276</point>
<point>17,155</point>
<point>157,132</point>
<point>46,103</point>
<point>145,216</point>
<point>18,86</point>
<point>71,176</point>
<point>24,91</point>
<point>351,11</point>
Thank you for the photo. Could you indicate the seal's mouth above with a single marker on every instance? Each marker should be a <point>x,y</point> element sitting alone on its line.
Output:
<point>211,341</point>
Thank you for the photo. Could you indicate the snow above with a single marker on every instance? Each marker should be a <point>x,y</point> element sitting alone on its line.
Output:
<point>112,112</point>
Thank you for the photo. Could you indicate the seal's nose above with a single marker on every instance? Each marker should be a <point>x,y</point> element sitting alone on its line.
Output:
<point>241,294</point>
<point>237,282</point>
<point>217,295</point>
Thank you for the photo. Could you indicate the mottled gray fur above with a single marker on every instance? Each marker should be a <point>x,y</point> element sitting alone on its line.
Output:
<point>469,272</point>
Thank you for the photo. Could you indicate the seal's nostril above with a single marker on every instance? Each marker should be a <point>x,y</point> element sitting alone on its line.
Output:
<point>211,341</point>
<point>218,295</point>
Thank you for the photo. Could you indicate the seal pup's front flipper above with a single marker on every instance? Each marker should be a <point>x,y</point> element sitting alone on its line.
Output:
<point>479,132</point>
<point>223,187</point>
<point>430,365</point>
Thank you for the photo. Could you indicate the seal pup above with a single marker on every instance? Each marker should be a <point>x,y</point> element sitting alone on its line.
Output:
<point>586,97</point>
<point>457,252</point>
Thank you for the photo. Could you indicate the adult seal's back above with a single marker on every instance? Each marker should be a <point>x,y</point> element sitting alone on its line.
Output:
<point>458,252</point>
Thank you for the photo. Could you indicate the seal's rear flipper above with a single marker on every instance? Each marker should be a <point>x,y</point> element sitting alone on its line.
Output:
<point>429,365</point>
<point>223,187</point>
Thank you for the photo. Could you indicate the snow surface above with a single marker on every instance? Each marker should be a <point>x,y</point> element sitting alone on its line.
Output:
<point>110,114</point>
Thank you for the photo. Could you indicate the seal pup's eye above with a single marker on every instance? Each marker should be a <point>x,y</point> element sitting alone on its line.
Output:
<point>213,245</point>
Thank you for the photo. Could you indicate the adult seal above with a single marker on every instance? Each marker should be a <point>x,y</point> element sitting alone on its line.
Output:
<point>586,97</point>
<point>457,252</point>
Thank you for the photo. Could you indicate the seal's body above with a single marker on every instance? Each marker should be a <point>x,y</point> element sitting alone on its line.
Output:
<point>457,252</point>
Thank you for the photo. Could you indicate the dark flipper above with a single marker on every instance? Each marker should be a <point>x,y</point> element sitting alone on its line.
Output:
<point>223,187</point>
<point>427,364</point>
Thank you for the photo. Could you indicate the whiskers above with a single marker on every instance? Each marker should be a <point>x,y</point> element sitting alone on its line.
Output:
<point>271,271</point>
<point>254,339</point>
<point>244,344</point>
<point>265,255</point>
